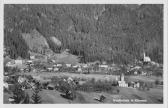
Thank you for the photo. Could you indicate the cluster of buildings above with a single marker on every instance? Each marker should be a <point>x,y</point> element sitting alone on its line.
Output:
<point>66,62</point>
<point>132,84</point>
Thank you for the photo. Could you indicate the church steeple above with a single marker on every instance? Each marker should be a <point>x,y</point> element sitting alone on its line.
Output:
<point>144,55</point>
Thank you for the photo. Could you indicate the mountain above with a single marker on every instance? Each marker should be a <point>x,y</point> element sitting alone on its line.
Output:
<point>106,32</point>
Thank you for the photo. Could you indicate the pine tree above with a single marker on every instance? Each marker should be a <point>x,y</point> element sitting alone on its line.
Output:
<point>35,97</point>
<point>27,99</point>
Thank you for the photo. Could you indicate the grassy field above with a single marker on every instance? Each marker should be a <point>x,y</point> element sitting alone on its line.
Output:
<point>54,97</point>
<point>46,75</point>
<point>154,95</point>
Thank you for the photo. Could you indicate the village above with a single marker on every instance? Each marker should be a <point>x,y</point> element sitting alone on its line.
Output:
<point>63,73</point>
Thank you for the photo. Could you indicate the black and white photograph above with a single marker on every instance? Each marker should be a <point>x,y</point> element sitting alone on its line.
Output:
<point>83,54</point>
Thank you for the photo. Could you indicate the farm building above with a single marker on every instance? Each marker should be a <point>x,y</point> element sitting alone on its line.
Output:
<point>19,61</point>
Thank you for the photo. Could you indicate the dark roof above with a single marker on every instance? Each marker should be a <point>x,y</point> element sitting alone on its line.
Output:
<point>51,85</point>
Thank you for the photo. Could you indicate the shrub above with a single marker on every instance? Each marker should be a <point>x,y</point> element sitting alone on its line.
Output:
<point>157,82</point>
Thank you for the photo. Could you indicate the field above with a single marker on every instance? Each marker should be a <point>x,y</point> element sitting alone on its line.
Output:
<point>126,95</point>
<point>46,75</point>
<point>53,97</point>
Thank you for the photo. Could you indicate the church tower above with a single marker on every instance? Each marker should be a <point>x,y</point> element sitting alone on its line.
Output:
<point>122,77</point>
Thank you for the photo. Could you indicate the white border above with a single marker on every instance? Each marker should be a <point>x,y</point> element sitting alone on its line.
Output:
<point>165,2</point>
<point>84,1</point>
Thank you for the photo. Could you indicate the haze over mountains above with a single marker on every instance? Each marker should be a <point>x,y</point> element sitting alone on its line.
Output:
<point>112,33</point>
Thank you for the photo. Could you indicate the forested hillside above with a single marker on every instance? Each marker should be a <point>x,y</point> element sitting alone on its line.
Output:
<point>114,33</point>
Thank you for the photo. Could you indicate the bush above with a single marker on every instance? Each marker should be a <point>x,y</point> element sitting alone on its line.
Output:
<point>29,77</point>
<point>114,83</point>
<point>157,82</point>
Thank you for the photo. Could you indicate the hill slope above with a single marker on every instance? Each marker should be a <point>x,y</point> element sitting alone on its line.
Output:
<point>114,33</point>
<point>35,41</point>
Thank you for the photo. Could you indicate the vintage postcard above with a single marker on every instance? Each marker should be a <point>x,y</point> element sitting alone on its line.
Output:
<point>84,53</point>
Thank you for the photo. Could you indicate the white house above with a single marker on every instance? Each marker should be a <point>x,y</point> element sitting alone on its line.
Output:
<point>50,69</point>
<point>32,57</point>
<point>68,65</point>
<point>137,85</point>
<point>5,85</point>
<point>135,73</point>
<point>84,65</point>
<point>29,61</point>
<point>53,61</point>
<point>21,80</point>
<point>56,69</point>
<point>143,73</point>
<point>75,66</point>
<point>103,66</point>
<point>19,61</point>
<point>59,65</point>
<point>79,69</point>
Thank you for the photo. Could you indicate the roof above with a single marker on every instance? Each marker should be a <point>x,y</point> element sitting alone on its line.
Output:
<point>51,85</point>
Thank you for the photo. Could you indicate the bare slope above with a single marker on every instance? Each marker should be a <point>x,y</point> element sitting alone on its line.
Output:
<point>35,41</point>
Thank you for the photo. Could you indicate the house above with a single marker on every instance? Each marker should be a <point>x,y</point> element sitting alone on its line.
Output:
<point>56,69</point>
<point>53,61</point>
<point>6,85</point>
<point>32,57</point>
<point>50,86</point>
<point>69,80</point>
<point>59,65</point>
<point>68,65</point>
<point>135,72</point>
<point>50,69</point>
<point>103,66</point>
<point>11,99</point>
<point>79,69</point>
<point>28,62</point>
<point>136,84</point>
<point>76,66</point>
<point>54,65</point>
<point>154,63</point>
<point>21,79</point>
<point>104,62</point>
<point>143,73</point>
<point>19,61</point>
